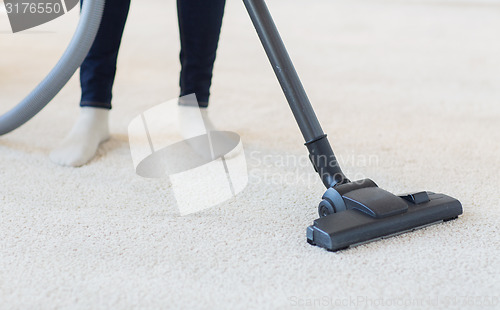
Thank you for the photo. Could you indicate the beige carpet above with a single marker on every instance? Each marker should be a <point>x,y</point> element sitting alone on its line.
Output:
<point>409,93</point>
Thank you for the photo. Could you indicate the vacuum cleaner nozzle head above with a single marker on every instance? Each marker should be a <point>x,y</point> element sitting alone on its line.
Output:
<point>360,212</point>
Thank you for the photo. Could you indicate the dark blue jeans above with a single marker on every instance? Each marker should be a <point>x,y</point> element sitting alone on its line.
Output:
<point>200,22</point>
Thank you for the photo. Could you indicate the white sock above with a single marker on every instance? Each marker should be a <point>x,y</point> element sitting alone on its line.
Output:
<point>194,122</point>
<point>190,123</point>
<point>82,142</point>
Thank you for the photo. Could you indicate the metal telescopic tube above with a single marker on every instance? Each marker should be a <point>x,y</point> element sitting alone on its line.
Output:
<point>284,69</point>
<point>320,151</point>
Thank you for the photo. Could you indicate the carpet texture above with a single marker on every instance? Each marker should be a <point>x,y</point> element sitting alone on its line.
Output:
<point>408,92</point>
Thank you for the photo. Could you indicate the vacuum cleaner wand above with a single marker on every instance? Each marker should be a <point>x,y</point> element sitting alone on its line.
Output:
<point>320,151</point>
<point>350,212</point>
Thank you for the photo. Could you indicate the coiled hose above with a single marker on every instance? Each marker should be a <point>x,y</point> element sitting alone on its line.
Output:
<point>70,61</point>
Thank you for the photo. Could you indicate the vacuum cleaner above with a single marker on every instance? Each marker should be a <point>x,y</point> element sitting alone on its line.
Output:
<point>351,213</point>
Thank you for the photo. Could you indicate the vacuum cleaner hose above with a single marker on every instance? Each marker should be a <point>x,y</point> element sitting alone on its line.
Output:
<point>71,60</point>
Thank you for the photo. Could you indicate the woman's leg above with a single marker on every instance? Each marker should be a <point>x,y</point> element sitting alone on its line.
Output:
<point>97,72</point>
<point>200,22</point>
<point>97,75</point>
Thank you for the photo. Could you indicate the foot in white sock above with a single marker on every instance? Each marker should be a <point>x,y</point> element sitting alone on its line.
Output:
<point>82,142</point>
<point>194,122</point>
<point>190,123</point>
